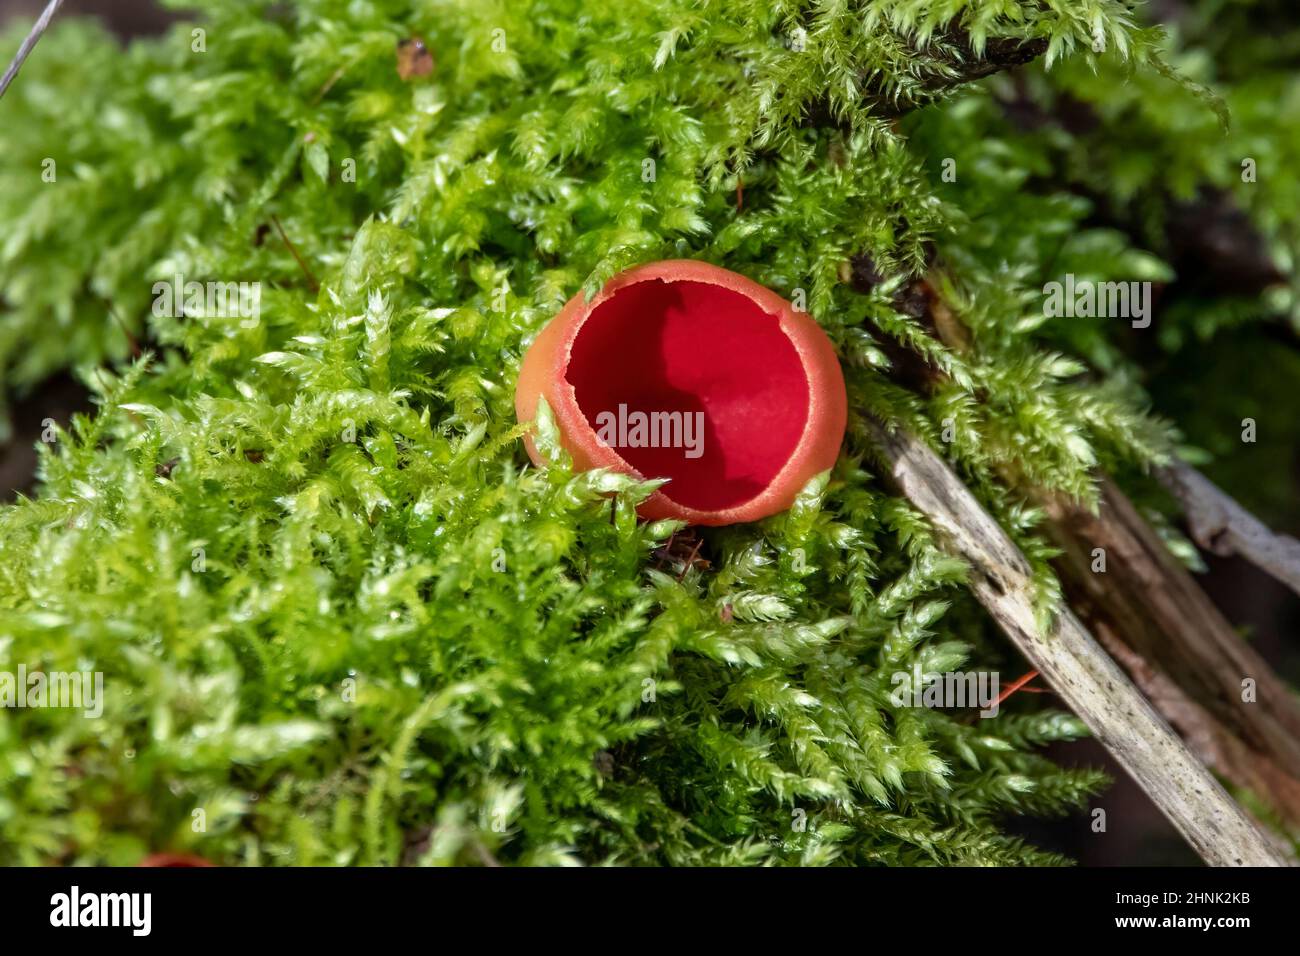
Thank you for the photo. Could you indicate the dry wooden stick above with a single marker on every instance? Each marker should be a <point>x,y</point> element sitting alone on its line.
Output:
<point>1223,527</point>
<point>29,43</point>
<point>1156,621</point>
<point>1075,665</point>
<point>1146,609</point>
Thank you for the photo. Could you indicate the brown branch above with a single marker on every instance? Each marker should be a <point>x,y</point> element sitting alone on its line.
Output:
<point>1072,662</point>
<point>1151,614</point>
<point>1221,526</point>
<point>948,61</point>
<point>1153,617</point>
<point>955,63</point>
<point>135,346</point>
<point>1209,739</point>
<point>311,279</point>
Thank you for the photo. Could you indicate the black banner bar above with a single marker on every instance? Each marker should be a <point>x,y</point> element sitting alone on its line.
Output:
<point>334,906</point>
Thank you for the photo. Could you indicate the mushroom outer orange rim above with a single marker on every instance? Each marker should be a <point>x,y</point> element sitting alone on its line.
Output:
<point>545,367</point>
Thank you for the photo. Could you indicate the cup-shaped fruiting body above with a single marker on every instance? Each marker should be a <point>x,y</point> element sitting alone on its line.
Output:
<point>690,372</point>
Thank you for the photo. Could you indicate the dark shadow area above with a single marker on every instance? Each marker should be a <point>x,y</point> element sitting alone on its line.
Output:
<point>127,18</point>
<point>56,400</point>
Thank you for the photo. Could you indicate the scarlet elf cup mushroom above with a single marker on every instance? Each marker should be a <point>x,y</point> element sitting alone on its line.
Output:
<point>690,372</point>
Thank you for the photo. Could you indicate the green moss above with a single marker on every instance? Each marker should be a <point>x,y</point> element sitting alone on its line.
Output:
<point>336,610</point>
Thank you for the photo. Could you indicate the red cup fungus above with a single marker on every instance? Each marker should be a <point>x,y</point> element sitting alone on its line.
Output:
<point>687,371</point>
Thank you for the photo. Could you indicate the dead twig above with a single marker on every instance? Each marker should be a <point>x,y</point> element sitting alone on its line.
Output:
<point>131,340</point>
<point>311,279</point>
<point>1148,611</point>
<point>42,23</point>
<point>1221,526</point>
<point>1074,664</point>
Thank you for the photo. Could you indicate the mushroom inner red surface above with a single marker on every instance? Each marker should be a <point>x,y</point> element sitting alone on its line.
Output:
<point>663,347</point>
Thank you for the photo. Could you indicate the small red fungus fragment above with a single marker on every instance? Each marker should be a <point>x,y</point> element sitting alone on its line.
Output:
<point>687,371</point>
